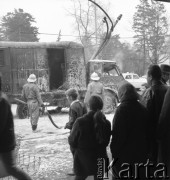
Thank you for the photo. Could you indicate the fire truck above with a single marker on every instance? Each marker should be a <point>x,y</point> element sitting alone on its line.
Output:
<point>58,66</point>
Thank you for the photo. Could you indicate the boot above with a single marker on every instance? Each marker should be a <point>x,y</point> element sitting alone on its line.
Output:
<point>34,127</point>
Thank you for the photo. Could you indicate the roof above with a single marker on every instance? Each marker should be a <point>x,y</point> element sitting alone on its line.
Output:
<point>60,44</point>
<point>129,73</point>
<point>102,60</point>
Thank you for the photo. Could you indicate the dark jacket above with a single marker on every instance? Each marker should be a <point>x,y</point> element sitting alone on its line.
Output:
<point>129,135</point>
<point>129,130</point>
<point>164,82</point>
<point>7,137</point>
<point>153,100</point>
<point>87,150</point>
<point>164,130</point>
<point>77,109</point>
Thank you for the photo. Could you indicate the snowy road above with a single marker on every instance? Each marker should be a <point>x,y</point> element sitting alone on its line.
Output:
<point>48,148</point>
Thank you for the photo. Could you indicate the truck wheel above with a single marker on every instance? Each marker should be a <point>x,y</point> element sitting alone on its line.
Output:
<point>110,101</point>
<point>22,111</point>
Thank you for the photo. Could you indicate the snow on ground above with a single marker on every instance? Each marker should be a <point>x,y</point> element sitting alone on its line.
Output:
<point>48,147</point>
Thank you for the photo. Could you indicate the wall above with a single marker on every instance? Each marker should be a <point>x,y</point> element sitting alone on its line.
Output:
<point>76,72</point>
<point>25,61</point>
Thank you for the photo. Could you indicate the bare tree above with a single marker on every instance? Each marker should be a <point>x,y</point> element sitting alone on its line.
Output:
<point>83,13</point>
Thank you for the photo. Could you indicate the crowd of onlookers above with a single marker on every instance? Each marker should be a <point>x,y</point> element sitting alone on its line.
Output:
<point>139,136</point>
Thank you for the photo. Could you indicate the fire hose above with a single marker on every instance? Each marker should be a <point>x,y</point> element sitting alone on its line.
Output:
<point>108,33</point>
<point>48,114</point>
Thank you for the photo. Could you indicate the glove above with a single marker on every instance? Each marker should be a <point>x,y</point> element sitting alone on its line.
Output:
<point>42,105</point>
<point>67,126</point>
<point>42,108</point>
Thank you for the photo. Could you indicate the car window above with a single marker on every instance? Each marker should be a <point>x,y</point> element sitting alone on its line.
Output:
<point>128,77</point>
<point>135,76</point>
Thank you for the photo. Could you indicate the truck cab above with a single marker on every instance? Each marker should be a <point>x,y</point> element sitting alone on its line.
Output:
<point>110,76</point>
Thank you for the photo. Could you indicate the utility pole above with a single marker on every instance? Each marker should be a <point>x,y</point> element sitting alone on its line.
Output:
<point>95,16</point>
<point>20,34</point>
<point>59,35</point>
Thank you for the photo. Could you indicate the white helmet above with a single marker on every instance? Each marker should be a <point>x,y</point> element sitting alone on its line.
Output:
<point>94,76</point>
<point>32,78</point>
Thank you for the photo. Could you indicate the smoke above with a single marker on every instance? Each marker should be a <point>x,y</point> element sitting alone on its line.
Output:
<point>119,57</point>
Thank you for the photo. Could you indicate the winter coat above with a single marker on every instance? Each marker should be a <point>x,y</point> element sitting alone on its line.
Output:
<point>164,131</point>
<point>153,101</point>
<point>87,150</point>
<point>129,129</point>
<point>7,136</point>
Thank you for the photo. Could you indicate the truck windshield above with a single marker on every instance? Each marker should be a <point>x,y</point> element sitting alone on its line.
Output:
<point>104,69</point>
<point>110,69</point>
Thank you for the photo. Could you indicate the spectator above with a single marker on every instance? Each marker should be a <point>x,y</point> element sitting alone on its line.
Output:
<point>129,130</point>
<point>165,73</point>
<point>32,96</point>
<point>164,132</point>
<point>89,137</point>
<point>8,166</point>
<point>153,99</point>
<point>77,109</point>
<point>94,88</point>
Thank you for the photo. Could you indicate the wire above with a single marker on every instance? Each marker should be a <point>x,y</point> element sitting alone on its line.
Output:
<point>168,35</point>
<point>53,34</point>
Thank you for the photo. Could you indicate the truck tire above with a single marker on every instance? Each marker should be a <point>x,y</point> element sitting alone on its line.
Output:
<point>22,111</point>
<point>110,101</point>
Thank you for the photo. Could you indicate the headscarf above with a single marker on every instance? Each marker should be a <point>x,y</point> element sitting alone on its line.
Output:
<point>127,92</point>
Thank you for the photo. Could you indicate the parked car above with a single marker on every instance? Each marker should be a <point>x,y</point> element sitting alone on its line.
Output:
<point>135,80</point>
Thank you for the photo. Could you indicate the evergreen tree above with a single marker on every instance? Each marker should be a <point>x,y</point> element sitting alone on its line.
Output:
<point>112,48</point>
<point>17,26</point>
<point>150,25</point>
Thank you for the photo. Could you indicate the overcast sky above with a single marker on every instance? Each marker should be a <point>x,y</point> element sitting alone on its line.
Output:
<point>51,16</point>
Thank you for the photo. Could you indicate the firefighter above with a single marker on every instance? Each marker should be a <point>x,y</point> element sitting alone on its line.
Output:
<point>32,96</point>
<point>94,88</point>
